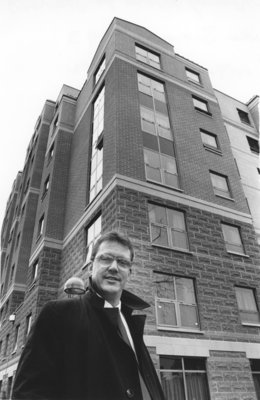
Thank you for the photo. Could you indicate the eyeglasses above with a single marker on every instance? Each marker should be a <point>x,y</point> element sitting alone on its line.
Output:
<point>107,259</point>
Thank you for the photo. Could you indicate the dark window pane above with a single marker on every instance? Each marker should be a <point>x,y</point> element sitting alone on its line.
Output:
<point>255,365</point>
<point>256,379</point>
<point>160,106</point>
<point>146,100</point>
<point>194,364</point>
<point>173,385</point>
<point>150,141</point>
<point>166,146</point>
<point>253,144</point>
<point>243,116</point>
<point>167,362</point>
<point>197,387</point>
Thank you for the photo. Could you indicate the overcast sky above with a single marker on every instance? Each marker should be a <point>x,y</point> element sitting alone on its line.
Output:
<point>48,43</point>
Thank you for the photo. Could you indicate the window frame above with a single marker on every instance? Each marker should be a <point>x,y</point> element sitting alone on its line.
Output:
<point>35,270</point>
<point>40,226</point>
<point>100,69</point>
<point>51,152</point>
<point>169,229</point>
<point>243,116</point>
<point>226,194</point>
<point>184,372</point>
<point>253,149</point>
<point>163,171</point>
<point>243,311</point>
<point>241,246</point>
<point>28,325</point>
<point>177,303</point>
<point>202,101</point>
<point>96,156</point>
<point>16,338</point>
<point>94,224</point>
<point>207,145</point>
<point>159,126</point>
<point>148,61</point>
<point>190,72</point>
<point>46,186</point>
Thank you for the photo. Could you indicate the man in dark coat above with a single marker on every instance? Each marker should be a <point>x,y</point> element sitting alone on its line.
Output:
<point>91,348</point>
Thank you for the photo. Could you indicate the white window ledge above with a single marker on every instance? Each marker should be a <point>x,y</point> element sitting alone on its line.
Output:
<point>256,325</point>
<point>238,254</point>
<point>172,248</point>
<point>224,197</point>
<point>166,328</point>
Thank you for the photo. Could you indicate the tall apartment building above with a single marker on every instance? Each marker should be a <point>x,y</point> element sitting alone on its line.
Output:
<point>142,148</point>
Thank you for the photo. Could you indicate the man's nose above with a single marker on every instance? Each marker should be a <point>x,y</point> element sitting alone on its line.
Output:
<point>113,265</point>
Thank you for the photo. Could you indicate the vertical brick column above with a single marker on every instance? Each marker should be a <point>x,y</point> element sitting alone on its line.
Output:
<point>230,376</point>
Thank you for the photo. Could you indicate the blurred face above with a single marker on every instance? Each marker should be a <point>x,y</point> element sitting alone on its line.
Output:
<point>111,269</point>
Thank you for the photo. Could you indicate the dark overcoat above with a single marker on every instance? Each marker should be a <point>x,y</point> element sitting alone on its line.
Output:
<point>74,352</point>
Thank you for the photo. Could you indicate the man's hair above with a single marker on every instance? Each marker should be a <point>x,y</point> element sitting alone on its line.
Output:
<point>113,236</point>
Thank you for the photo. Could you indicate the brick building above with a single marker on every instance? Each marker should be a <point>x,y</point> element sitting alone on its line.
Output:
<point>142,148</point>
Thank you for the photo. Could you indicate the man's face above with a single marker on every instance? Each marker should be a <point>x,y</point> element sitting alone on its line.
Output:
<point>110,278</point>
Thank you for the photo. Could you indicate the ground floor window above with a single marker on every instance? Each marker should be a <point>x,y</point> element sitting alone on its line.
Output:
<point>184,378</point>
<point>255,367</point>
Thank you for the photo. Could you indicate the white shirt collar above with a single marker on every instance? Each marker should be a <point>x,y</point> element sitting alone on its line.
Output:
<point>108,305</point>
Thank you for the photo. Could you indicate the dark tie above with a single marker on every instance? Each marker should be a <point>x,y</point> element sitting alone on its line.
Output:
<point>123,333</point>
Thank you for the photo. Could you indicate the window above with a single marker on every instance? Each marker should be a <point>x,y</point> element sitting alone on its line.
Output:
<point>10,236</point>
<point>253,144</point>
<point>12,274</point>
<point>97,146</point>
<point>101,68</point>
<point>220,185</point>
<point>27,186</point>
<point>232,238</point>
<point>201,105</point>
<point>176,302</point>
<point>9,387</point>
<point>192,75</point>
<point>167,227</point>
<point>51,152</point>
<point>152,88</point>
<point>209,139</point>
<point>184,378</point>
<point>28,324</point>
<point>92,234</point>
<point>247,305</point>
<point>159,156</point>
<point>16,337</point>
<point>46,186</point>
<point>160,168</point>
<point>147,56</point>
<point>243,116</point>
<point>6,345</point>
<point>18,240</point>
<point>35,268</point>
<point>255,368</point>
<point>40,226</point>
<point>55,124</point>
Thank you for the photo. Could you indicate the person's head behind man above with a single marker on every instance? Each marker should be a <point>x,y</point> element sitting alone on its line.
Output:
<point>111,262</point>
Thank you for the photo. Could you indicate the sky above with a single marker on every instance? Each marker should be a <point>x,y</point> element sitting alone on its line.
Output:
<point>47,43</point>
